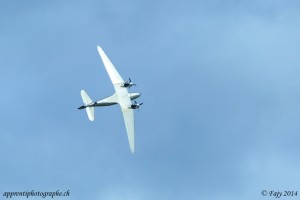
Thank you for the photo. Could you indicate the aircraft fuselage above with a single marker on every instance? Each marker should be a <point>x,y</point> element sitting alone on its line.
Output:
<point>111,100</point>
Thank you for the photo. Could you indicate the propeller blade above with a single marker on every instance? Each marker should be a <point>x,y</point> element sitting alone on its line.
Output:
<point>129,79</point>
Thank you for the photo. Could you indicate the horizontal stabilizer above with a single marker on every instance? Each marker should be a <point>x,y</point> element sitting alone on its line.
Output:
<point>87,100</point>
<point>90,113</point>
<point>85,97</point>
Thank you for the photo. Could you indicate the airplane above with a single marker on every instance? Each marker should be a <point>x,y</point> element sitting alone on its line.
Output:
<point>121,97</point>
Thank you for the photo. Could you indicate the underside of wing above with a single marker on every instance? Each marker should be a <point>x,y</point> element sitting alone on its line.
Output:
<point>129,123</point>
<point>111,70</point>
<point>125,102</point>
<point>122,95</point>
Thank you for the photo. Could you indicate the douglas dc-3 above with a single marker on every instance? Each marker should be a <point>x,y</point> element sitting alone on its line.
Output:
<point>121,97</point>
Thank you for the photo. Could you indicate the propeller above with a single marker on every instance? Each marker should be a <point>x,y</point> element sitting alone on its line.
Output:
<point>138,105</point>
<point>131,82</point>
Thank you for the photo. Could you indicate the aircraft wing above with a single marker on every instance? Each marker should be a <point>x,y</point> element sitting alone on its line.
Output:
<point>129,123</point>
<point>128,114</point>
<point>123,97</point>
<point>111,70</point>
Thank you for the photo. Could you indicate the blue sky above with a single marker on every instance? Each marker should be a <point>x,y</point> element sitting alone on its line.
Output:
<point>219,82</point>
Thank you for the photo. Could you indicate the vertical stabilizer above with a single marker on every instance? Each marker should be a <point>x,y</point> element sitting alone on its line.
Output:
<point>87,100</point>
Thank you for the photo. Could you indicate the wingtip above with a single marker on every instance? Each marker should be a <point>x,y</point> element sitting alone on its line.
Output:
<point>132,149</point>
<point>99,48</point>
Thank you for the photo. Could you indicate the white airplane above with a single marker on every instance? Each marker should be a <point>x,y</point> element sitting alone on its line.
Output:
<point>121,97</point>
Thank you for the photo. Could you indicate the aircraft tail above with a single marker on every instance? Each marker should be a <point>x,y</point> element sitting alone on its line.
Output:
<point>87,100</point>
